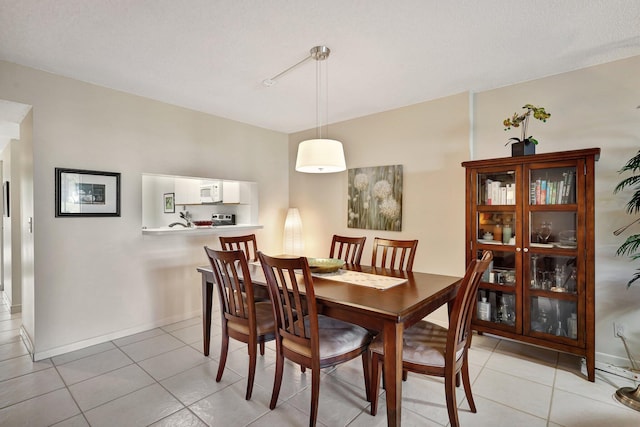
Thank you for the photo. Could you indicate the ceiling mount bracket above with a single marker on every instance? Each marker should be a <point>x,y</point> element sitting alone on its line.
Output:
<point>319,53</point>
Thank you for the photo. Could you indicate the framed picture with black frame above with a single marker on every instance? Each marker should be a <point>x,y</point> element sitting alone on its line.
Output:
<point>87,193</point>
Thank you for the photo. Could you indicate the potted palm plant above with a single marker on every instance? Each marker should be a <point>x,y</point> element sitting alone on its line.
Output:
<point>631,246</point>
<point>526,144</point>
<point>630,396</point>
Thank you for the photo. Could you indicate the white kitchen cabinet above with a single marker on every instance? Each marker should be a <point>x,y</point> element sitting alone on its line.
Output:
<point>187,191</point>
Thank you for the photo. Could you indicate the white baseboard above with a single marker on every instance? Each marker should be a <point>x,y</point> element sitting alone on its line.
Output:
<point>610,359</point>
<point>13,309</point>
<point>623,372</point>
<point>27,340</point>
<point>112,336</point>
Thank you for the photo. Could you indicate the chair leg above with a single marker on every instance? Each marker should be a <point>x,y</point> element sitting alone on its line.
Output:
<point>450,394</point>
<point>404,375</point>
<point>261,348</point>
<point>467,384</point>
<point>315,395</point>
<point>277,380</point>
<point>224,348</point>
<point>375,382</point>
<point>366,367</point>
<point>252,369</point>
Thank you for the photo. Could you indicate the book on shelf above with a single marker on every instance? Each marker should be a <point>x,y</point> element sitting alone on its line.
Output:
<point>511,194</point>
<point>568,196</point>
<point>499,193</point>
<point>553,192</point>
<point>543,192</point>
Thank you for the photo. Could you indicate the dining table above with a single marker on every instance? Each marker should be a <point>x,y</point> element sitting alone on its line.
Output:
<point>380,299</point>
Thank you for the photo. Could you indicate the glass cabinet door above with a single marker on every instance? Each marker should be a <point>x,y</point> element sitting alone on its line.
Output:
<point>498,301</point>
<point>552,269</point>
<point>496,228</point>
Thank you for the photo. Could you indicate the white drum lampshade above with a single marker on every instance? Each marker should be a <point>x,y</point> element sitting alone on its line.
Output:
<point>320,156</point>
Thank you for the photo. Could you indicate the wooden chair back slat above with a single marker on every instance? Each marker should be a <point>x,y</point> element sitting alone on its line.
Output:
<point>236,300</point>
<point>348,249</point>
<point>246,244</point>
<point>399,253</point>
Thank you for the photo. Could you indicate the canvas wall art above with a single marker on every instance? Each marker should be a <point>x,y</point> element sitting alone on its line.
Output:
<point>375,198</point>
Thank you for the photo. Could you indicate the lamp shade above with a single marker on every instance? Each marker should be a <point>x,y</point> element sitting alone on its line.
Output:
<point>320,156</point>
<point>292,240</point>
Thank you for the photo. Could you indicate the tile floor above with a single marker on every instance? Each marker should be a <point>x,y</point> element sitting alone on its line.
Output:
<point>160,378</point>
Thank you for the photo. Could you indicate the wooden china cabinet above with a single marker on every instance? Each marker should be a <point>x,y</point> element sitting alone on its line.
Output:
<point>536,213</point>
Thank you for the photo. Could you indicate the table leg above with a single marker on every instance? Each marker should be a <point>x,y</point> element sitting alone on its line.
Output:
<point>207,301</point>
<point>393,371</point>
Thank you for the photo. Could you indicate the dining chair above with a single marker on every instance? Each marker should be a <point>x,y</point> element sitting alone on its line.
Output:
<point>303,336</point>
<point>242,318</point>
<point>394,254</point>
<point>348,249</point>
<point>433,350</point>
<point>247,244</point>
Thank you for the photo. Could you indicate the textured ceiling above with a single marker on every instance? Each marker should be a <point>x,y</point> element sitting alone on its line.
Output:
<point>212,55</point>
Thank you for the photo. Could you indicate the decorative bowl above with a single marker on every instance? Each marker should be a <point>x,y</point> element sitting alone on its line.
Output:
<point>567,238</point>
<point>325,265</point>
<point>202,223</point>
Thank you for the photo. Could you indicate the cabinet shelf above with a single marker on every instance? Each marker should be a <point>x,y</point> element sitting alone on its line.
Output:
<point>568,207</point>
<point>498,287</point>
<point>567,296</point>
<point>542,198</point>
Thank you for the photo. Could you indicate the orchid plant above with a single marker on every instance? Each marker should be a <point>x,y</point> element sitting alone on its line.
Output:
<point>523,119</point>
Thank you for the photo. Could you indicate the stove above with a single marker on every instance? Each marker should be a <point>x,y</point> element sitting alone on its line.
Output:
<point>223,219</point>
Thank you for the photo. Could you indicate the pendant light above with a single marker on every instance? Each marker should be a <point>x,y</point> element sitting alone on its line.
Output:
<point>320,155</point>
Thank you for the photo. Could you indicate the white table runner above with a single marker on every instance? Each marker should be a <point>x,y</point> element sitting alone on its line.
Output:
<point>362,279</point>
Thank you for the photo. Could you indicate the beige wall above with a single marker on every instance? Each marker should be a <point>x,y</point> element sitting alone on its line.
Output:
<point>429,140</point>
<point>99,278</point>
<point>116,281</point>
<point>594,107</point>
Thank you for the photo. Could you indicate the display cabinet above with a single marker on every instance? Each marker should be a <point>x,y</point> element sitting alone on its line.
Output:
<point>536,213</point>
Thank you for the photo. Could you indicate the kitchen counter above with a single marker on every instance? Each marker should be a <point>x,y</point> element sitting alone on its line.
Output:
<point>214,229</point>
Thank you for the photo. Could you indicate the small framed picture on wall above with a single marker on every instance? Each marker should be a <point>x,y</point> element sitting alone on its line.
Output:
<point>169,203</point>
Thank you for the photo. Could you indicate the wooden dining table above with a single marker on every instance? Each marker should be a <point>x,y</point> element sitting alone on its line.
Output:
<point>388,311</point>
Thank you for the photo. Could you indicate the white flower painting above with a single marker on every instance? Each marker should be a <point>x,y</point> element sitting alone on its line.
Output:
<point>375,198</point>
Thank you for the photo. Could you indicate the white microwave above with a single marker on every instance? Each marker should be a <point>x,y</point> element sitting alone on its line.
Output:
<point>211,193</point>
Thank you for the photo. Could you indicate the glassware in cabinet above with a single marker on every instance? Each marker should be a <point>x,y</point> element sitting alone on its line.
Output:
<point>554,273</point>
<point>496,228</point>
<point>553,229</point>
<point>502,270</point>
<point>497,307</point>
<point>553,317</point>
